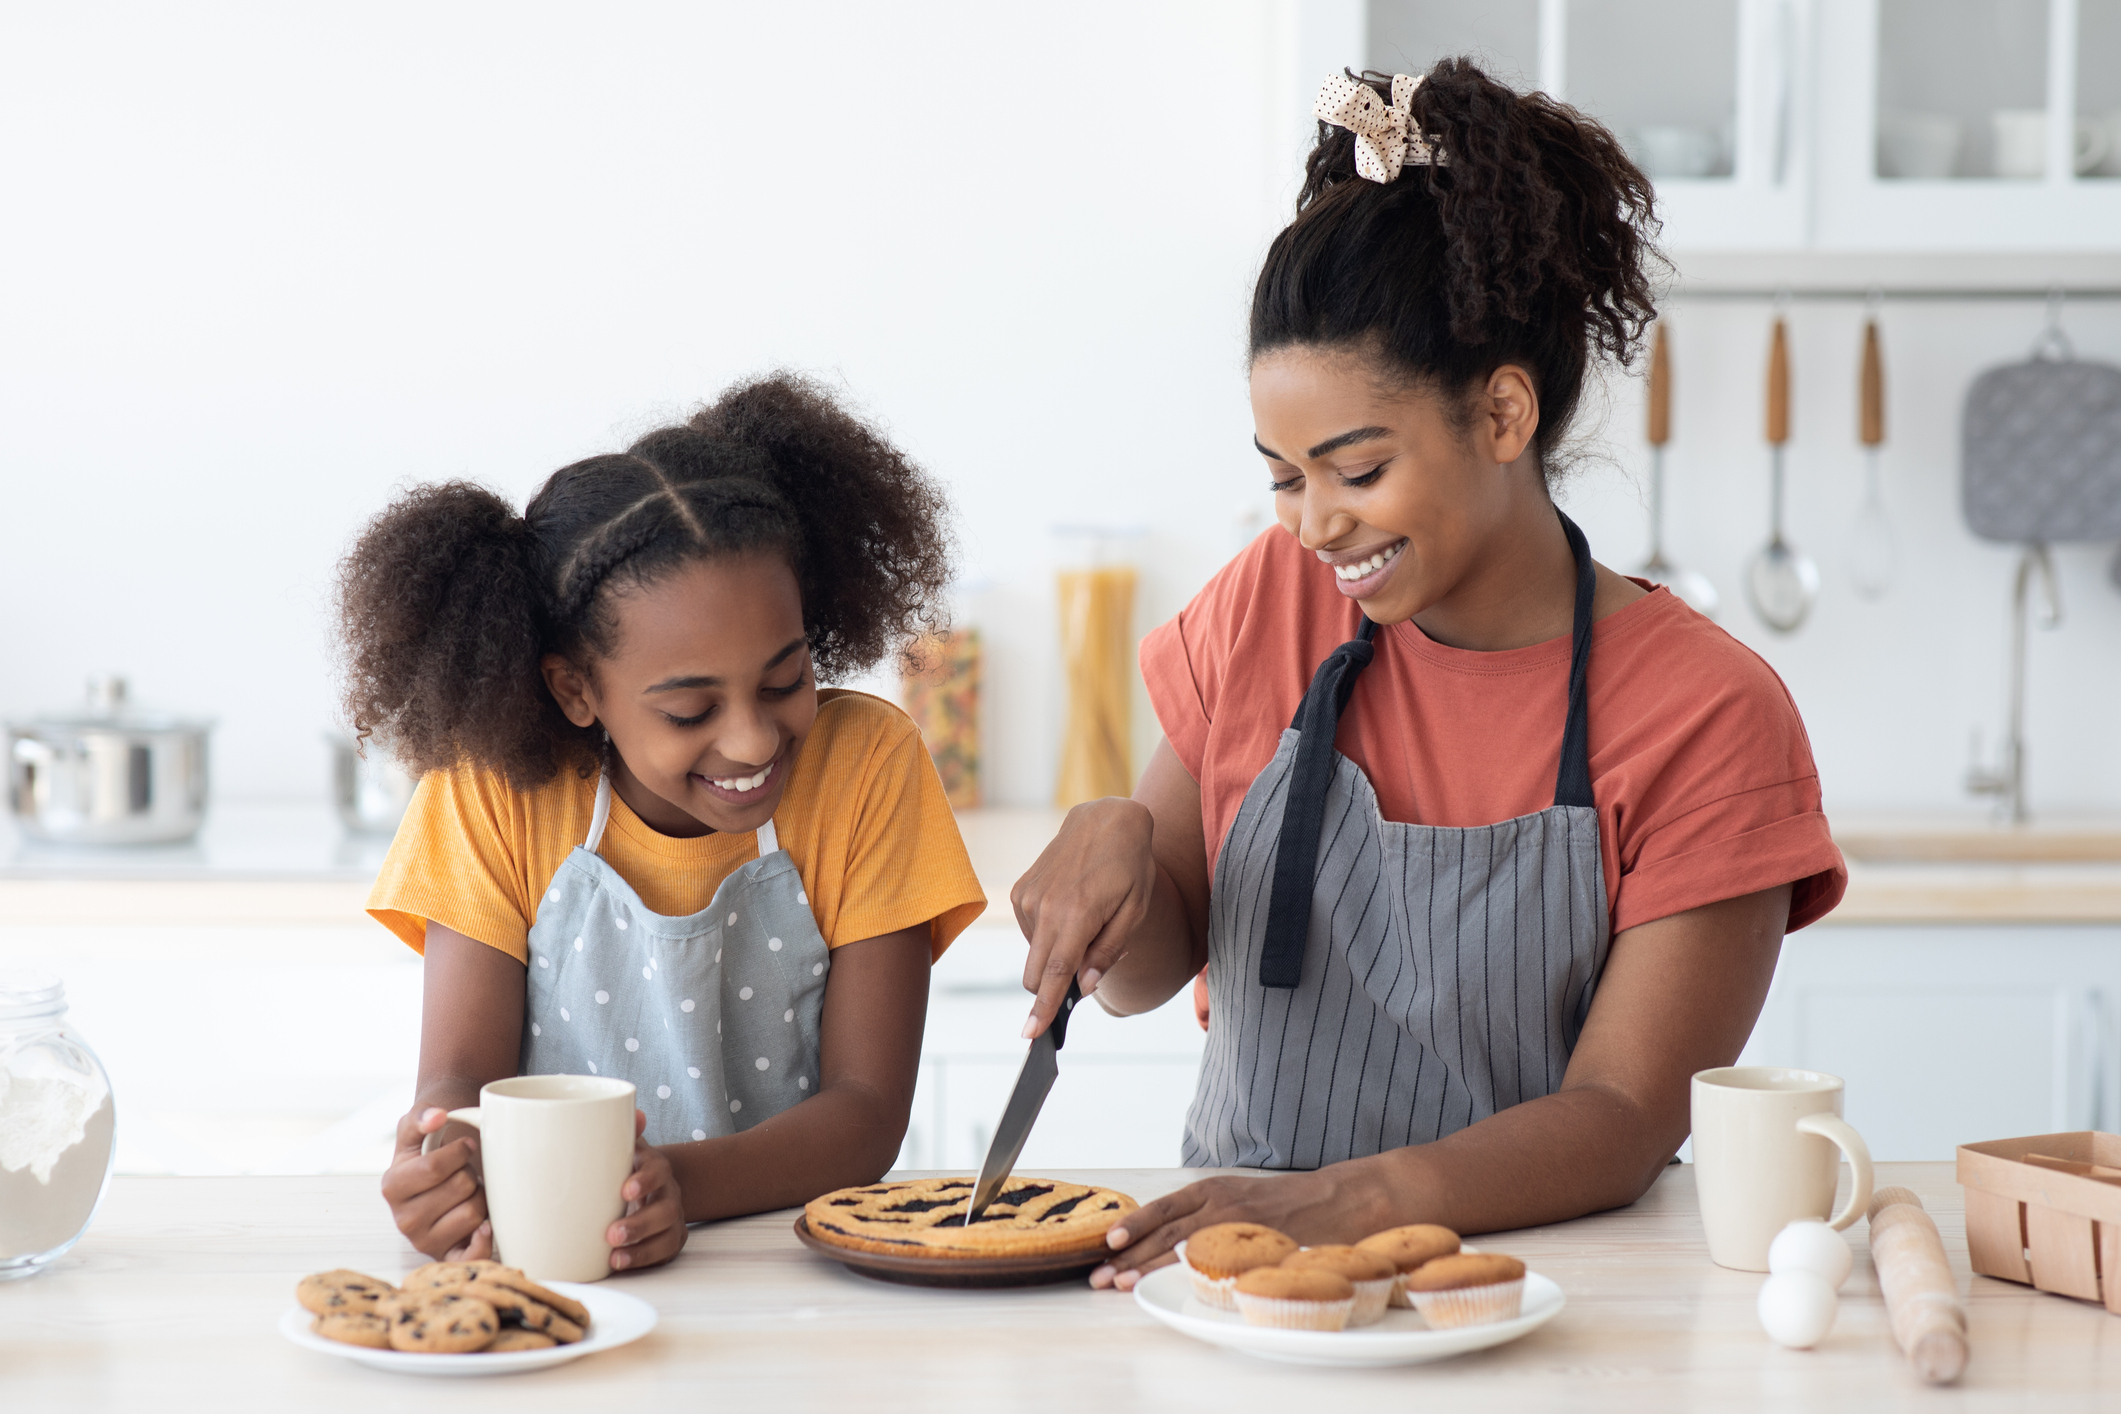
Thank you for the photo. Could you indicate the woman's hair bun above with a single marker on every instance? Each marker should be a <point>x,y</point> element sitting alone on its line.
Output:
<point>1529,240</point>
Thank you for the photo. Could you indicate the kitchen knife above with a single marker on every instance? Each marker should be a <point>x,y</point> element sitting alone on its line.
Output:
<point>1041,1068</point>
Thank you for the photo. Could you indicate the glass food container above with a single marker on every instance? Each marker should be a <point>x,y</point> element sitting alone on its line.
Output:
<point>55,1126</point>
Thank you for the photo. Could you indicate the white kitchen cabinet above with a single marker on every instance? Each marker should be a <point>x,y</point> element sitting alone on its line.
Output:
<point>1952,1034</point>
<point>1806,124</point>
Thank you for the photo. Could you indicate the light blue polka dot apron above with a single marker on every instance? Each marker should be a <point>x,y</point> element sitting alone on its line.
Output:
<point>713,1017</point>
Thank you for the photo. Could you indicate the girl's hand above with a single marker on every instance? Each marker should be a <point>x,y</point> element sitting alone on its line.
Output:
<point>652,1229</point>
<point>1086,894</point>
<point>1333,1204</point>
<point>436,1199</point>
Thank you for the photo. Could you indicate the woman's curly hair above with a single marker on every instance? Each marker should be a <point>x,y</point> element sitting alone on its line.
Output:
<point>449,599</point>
<point>1529,241</point>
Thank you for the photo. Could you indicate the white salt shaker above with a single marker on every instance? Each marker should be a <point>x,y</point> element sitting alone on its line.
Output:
<point>55,1126</point>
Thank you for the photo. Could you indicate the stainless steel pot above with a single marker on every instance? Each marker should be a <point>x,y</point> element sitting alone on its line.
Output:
<point>371,790</point>
<point>108,774</point>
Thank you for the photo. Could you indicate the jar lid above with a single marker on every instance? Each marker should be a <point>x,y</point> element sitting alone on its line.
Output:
<point>28,993</point>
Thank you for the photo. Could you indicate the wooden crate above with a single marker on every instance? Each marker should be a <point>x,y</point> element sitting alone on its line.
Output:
<point>2047,1227</point>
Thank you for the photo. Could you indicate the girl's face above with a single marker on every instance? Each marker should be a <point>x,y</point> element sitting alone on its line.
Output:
<point>1404,503</point>
<point>707,693</point>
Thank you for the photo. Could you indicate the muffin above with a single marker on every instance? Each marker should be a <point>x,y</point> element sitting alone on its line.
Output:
<point>1373,1277</point>
<point>1295,1298</point>
<point>1467,1290</point>
<point>1407,1248</point>
<point>1217,1256</point>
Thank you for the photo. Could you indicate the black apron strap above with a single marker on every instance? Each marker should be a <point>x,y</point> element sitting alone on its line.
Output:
<point>1281,959</point>
<point>1572,785</point>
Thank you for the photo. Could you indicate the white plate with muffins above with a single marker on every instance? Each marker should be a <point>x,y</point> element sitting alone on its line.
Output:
<point>522,1333</point>
<point>1397,1298</point>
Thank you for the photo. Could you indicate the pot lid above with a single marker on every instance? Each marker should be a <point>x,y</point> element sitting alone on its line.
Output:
<point>108,707</point>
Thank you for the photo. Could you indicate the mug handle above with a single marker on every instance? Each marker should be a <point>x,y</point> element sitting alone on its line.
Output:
<point>470,1116</point>
<point>1858,1153</point>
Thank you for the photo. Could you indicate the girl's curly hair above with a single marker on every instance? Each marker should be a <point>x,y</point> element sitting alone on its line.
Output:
<point>449,599</point>
<point>1529,241</point>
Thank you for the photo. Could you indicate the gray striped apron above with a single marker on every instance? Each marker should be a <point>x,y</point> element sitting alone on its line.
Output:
<point>1375,984</point>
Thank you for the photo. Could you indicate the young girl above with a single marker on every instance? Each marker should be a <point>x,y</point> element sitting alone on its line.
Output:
<point>645,843</point>
<point>1485,847</point>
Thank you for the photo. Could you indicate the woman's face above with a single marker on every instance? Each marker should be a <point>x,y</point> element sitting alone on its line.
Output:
<point>1381,483</point>
<point>707,693</point>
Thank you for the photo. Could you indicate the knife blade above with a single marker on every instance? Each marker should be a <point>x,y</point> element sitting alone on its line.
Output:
<point>1041,1069</point>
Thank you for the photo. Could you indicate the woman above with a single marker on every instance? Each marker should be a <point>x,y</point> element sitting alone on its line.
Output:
<point>1477,901</point>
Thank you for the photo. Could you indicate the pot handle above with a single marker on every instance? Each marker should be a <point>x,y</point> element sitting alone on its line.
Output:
<point>1858,1153</point>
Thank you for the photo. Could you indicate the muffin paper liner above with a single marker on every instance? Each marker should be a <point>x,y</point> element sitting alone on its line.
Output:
<point>1371,1298</point>
<point>1218,1292</point>
<point>1293,1315</point>
<point>1470,1305</point>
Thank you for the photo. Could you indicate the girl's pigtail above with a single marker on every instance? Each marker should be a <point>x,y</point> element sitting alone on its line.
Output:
<point>444,614</point>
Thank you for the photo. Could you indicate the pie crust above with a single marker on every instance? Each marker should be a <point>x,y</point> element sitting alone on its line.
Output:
<point>924,1217</point>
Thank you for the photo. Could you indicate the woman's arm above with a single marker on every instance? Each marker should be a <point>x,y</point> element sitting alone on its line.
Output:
<point>1678,995</point>
<point>1120,898</point>
<point>876,1006</point>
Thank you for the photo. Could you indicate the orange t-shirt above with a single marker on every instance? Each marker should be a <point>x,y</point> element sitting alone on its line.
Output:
<point>1700,766</point>
<point>863,818</point>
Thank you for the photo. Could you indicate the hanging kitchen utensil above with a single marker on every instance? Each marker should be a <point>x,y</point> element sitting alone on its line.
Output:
<point>1692,587</point>
<point>1871,549</point>
<point>1781,583</point>
<point>2040,462</point>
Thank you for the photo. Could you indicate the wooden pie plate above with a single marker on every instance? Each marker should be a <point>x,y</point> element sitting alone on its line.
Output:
<point>1035,1270</point>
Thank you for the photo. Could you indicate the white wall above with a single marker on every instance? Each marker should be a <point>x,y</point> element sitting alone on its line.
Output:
<point>264,263</point>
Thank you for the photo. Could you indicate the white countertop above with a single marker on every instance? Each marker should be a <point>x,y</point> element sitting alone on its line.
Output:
<point>171,1300</point>
<point>241,840</point>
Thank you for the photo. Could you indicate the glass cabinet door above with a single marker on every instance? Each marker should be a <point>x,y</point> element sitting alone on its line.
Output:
<point>1663,74</point>
<point>2098,136</point>
<point>1962,89</point>
<point>1407,36</point>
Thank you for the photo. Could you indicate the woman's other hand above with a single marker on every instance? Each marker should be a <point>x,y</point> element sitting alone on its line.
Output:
<point>437,1199</point>
<point>652,1228</point>
<point>1338,1203</point>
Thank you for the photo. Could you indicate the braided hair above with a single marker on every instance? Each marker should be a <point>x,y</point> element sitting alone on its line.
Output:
<point>1529,241</point>
<point>449,599</point>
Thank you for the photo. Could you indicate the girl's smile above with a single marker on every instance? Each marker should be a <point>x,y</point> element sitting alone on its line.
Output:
<point>742,790</point>
<point>1362,573</point>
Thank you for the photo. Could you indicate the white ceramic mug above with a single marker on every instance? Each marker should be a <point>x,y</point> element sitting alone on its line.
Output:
<point>555,1150</point>
<point>2021,143</point>
<point>1764,1156</point>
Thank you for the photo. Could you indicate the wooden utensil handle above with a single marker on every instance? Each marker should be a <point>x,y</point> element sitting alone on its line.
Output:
<point>1872,431</point>
<point>1660,389</point>
<point>1778,386</point>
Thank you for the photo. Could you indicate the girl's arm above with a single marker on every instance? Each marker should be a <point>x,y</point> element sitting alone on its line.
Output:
<point>876,1006</point>
<point>1678,995</point>
<point>1121,891</point>
<point>471,1031</point>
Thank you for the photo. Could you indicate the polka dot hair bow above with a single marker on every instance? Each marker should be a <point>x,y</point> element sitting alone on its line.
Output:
<point>1385,137</point>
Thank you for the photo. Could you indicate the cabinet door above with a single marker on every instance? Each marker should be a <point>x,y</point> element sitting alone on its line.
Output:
<point>1951,1035</point>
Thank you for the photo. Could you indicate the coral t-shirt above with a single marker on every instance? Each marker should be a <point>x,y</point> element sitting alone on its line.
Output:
<point>1700,767</point>
<point>863,818</point>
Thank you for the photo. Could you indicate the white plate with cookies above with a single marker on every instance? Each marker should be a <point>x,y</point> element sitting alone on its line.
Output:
<point>605,1319</point>
<point>1401,1338</point>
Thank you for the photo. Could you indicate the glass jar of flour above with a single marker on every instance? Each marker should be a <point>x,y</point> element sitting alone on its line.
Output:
<point>55,1126</point>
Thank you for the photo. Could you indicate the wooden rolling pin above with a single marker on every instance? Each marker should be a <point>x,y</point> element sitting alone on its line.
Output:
<point>1921,1297</point>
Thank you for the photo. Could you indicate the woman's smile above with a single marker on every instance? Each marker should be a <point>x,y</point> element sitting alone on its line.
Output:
<point>1361,574</point>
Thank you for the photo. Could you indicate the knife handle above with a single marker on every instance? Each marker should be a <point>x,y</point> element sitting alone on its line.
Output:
<point>1059,1028</point>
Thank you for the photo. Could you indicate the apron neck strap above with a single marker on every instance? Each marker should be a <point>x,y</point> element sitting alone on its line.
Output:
<point>1281,961</point>
<point>768,841</point>
<point>601,816</point>
<point>1572,785</point>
